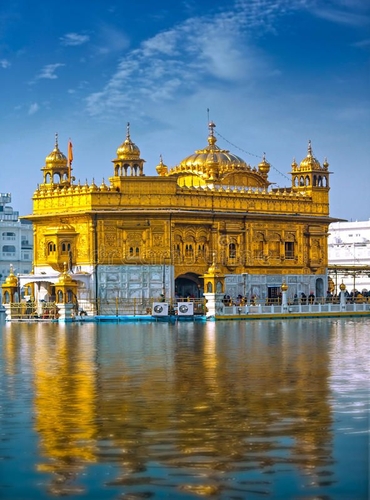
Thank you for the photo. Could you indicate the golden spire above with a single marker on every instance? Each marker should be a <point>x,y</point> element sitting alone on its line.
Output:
<point>161,168</point>
<point>310,162</point>
<point>211,138</point>
<point>128,150</point>
<point>264,166</point>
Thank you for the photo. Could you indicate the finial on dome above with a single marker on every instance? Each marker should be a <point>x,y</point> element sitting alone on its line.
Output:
<point>211,126</point>
<point>309,150</point>
<point>162,169</point>
<point>211,138</point>
<point>56,140</point>
<point>128,130</point>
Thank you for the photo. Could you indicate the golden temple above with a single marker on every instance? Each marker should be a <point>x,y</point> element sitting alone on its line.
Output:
<point>140,236</point>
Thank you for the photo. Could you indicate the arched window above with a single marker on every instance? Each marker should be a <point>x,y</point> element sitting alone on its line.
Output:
<point>232,251</point>
<point>66,247</point>
<point>51,247</point>
<point>6,298</point>
<point>201,249</point>
<point>189,252</point>
<point>289,250</point>
<point>134,252</point>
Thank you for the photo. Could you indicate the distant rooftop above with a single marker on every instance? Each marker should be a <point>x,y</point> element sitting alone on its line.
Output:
<point>7,213</point>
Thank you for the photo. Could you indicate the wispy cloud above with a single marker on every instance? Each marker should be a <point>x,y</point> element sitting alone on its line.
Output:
<point>4,63</point>
<point>74,39</point>
<point>362,43</point>
<point>34,107</point>
<point>181,58</point>
<point>342,16</point>
<point>216,49</point>
<point>49,70</point>
<point>344,12</point>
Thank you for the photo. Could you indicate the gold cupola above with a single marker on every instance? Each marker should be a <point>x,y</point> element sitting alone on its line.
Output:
<point>128,149</point>
<point>56,170</point>
<point>264,166</point>
<point>213,165</point>
<point>161,168</point>
<point>310,162</point>
<point>128,161</point>
<point>310,175</point>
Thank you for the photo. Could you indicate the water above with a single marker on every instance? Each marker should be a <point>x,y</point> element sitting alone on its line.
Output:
<point>225,410</point>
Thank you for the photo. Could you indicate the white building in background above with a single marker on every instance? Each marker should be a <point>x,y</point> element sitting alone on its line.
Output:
<point>16,240</point>
<point>349,245</point>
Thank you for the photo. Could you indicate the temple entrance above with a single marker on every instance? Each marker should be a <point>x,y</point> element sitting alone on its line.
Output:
<point>189,285</point>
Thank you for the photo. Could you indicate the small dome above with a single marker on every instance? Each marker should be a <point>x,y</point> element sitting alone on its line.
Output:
<point>64,278</point>
<point>103,186</point>
<point>264,166</point>
<point>161,168</point>
<point>294,165</point>
<point>11,280</point>
<point>128,150</point>
<point>56,157</point>
<point>310,162</point>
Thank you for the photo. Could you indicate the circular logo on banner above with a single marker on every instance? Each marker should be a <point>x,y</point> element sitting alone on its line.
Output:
<point>158,309</point>
<point>183,308</point>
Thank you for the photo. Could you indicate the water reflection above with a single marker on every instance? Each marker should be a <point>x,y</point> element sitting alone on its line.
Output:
<point>187,408</point>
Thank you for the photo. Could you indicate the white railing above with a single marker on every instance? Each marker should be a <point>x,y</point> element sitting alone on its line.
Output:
<point>292,309</point>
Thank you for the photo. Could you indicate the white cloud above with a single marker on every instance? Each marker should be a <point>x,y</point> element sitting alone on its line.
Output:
<point>48,71</point>
<point>34,107</point>
<point>74,39</point>
<point>4,63</point>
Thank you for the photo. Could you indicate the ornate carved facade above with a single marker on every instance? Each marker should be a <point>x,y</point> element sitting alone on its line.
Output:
<point>143,235</point>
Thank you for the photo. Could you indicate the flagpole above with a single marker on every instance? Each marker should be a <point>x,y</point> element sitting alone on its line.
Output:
<point>70,160</point>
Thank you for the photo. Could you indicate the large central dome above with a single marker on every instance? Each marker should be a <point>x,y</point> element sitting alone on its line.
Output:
<point>215,165</point>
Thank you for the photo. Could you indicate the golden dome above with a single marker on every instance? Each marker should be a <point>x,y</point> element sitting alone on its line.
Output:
<point>11,280</point>
<point>264,166</point>
<point>284,287</point>
<point>56,157</point>
<point>310,162</point>
<point>222,159</point>
<point>64,278</point>
<point>128,150</point>
<point>161,168</point>
<point>103,186</point>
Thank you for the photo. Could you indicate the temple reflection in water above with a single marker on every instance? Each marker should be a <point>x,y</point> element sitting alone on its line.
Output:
<point>186,396</point>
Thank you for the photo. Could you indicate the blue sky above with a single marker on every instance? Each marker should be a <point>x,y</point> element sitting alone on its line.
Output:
<point>273,74</point>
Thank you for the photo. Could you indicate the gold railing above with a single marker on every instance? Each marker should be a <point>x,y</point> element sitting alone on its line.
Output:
<point>30,310</point>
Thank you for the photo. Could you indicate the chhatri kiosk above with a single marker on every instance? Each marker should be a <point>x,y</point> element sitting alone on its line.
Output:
<point>144,236</point>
